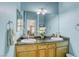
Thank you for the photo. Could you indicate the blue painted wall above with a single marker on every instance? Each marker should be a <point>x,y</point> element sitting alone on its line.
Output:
<point>7,12</point>
<point>69,17</point>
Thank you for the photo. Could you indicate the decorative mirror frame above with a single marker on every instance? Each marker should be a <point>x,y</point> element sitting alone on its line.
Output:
<point>19,21</point>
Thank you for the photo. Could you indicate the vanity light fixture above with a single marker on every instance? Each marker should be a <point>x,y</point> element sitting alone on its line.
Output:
<point>41,11</point>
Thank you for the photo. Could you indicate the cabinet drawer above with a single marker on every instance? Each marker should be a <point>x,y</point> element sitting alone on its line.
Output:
<point>51,45</point>
<point>25,47</point>
<point>27,54</point>
<point>59,44</point>
<point>42,46</point>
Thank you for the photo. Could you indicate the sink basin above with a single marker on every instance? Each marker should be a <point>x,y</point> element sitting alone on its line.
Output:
<point>28,40</point>
<point>56,39</point>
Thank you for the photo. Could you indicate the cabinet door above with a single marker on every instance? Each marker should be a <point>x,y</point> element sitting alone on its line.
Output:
<point>61,51</point>
<point>27,54</point>
<point>51,52</point>
<point>42,53</point>
<point>42,50</point>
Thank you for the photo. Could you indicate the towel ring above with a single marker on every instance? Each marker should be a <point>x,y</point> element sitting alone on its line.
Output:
<point>9,23</point>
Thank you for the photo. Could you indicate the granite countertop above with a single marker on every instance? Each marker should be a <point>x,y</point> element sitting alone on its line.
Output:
<point>41,41</point>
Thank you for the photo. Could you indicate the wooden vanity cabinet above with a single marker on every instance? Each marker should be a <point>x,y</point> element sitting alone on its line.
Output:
<point>51,49</point>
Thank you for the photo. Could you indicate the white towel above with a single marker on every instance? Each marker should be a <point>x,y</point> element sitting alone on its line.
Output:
<point>9,37</point>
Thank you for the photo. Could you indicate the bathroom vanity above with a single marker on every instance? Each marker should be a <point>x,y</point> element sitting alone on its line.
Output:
<point>43,48</point>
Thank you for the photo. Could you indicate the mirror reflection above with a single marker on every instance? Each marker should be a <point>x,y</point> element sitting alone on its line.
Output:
<point>43,21</point>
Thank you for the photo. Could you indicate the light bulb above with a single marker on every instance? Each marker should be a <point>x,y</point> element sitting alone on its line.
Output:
<point>38,13</point>
<point>42,11</point>
<point>45,11</point>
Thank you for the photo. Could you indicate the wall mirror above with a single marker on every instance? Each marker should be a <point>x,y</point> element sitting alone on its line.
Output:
<point>34,23</point>
<point>40,19</point>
